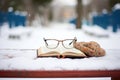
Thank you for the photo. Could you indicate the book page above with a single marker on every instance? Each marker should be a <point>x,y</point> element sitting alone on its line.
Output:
<point>73,52</point>
<point>60,49</point>
<point>44,51</point>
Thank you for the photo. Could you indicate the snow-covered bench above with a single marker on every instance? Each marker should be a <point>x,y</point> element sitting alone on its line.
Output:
<point>27,65</point>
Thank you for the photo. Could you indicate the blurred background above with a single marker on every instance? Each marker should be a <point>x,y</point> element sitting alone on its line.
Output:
<point>30,18</point>
<point>24,23</point>
<point>43,12</point>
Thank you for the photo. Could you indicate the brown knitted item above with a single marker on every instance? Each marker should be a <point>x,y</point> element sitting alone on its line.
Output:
<point>91,49</point>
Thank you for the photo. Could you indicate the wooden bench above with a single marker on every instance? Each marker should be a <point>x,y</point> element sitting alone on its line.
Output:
<point>114,74</point>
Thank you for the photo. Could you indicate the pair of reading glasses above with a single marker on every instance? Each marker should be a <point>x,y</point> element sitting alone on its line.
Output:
<point>53,43</point>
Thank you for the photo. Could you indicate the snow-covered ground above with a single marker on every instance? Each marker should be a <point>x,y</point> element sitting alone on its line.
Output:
<point>32,38</point>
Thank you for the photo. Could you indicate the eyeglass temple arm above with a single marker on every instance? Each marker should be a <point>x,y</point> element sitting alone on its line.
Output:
<point>75,39</point>
<point>45,41</point>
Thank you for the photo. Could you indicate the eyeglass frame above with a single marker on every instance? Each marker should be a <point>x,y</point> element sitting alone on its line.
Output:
<point>73,41</point>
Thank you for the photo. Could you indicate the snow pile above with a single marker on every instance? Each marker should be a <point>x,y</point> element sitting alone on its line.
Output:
<point>117,6</point>
<point>95,31</point>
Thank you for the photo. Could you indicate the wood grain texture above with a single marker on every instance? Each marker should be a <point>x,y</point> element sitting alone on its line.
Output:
<point>60,74</point>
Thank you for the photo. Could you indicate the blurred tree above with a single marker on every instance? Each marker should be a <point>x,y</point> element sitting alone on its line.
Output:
<point>31,6</point>
<point>34,7</point>
<point>42,7</point>
<point>79,14</point>
<point>4,5</point>
<point>28,6</point>
<point>41,2</point>
<point>16,4</point>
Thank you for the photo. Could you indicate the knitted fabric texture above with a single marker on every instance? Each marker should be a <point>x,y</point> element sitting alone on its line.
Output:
<point>91,49</point>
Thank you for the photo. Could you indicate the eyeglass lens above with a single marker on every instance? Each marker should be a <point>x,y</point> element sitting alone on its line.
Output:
<point>68,43</point>
<point>52,43</point>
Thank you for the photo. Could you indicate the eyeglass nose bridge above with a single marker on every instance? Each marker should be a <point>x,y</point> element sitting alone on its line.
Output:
<point>59,42</point>
<point>74,40</point>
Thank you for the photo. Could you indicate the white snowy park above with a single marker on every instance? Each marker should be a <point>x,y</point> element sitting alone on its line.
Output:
<point>25,24</point>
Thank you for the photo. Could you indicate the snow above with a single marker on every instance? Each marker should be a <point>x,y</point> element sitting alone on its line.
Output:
<point>24,61</point>
<point>117,6</point>
<point>96,31</point>
<point>26,58</point>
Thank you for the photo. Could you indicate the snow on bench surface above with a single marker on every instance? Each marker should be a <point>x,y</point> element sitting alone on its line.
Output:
<point>27,60</point>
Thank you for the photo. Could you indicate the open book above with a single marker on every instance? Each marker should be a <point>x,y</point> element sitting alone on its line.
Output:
<point>60,53</point>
